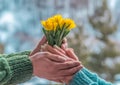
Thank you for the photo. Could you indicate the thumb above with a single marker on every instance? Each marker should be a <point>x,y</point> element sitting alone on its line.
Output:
<point>41,42</point>
<point>38,47</point>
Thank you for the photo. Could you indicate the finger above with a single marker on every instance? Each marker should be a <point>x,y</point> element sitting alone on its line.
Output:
<point>51,57</point>
<point>70,71</point>
<point>64,40</point>
<point>43,48</point>
<point>42,41</point>
<point>38,47</point>
<point>56,58</point>
<point>64,79</point>
<point>63,47</point>
<point>59,49</point>
<point>64,44</point>
<point>71,54</point>
<point>53,50</point>
<point>57,79</point>
<point>67,65</point>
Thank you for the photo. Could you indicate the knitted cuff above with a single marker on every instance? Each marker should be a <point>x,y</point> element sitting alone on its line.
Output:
<point>90,74</point>
<point>81,79</point>
<point>95,77</point>
<point>15,54</point>
<point>21,69</point>
<point>103,82</point>
<point>5,72</point>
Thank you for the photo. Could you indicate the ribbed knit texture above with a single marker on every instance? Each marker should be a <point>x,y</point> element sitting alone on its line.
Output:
<point>89,74</point>
<point>94,77</point>
<point>81,79</point>
<point>5,72</point>
<point>20,68</point>
<point>86,77</point>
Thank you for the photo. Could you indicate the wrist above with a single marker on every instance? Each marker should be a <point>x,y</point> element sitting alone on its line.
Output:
<point>32,62</point>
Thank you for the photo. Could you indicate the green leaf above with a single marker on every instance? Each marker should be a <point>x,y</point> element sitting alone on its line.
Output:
<point>46,34</point>
<point>44,31</point>
<point>65,33</point>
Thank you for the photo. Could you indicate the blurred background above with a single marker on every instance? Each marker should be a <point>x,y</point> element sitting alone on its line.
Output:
<point>96,40</point>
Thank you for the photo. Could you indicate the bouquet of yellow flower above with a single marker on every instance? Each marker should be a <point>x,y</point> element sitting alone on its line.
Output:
<point>56,28</point>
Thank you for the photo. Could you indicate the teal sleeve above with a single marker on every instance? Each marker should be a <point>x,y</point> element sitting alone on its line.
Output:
<point>85,77</point>
<point>80,78</point>
<point>15,68</point>
<point>94,77</point>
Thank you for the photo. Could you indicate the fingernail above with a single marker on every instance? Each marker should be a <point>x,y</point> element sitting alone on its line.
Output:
<point>42,46</point>
<point>81,65</point>
<point>45,44</point>
<point>55,46</point>
<point>65,58</point>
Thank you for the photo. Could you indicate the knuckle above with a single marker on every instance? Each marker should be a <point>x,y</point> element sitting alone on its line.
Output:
<point>57,57</point>
<point>69,64</point>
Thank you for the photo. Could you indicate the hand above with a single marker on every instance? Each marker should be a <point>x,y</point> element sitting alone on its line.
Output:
<point>68,51</point>
<point>38,47</point>
<point>58,51</point>
<point>53,67</point>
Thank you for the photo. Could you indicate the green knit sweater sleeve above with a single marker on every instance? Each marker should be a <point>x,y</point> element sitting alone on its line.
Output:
<point>86,77</point>
<point>15,68</point>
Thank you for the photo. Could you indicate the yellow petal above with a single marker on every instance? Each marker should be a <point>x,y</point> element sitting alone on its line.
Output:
<point>70,23</point>
<point>52,23</point>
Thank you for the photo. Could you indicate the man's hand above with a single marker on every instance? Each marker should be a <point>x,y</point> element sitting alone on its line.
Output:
<point>53,67</point>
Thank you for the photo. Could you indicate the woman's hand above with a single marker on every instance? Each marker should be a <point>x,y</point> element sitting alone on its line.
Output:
<point>64,53</point>
<point>69,51</point>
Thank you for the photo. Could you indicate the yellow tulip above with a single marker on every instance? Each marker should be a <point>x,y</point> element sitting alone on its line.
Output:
<point>61,23</point>
<point>49,25</point>
<point>70,23</point>
<point>52,23</point>
<point>57,18</point>
<point>51,29</point>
